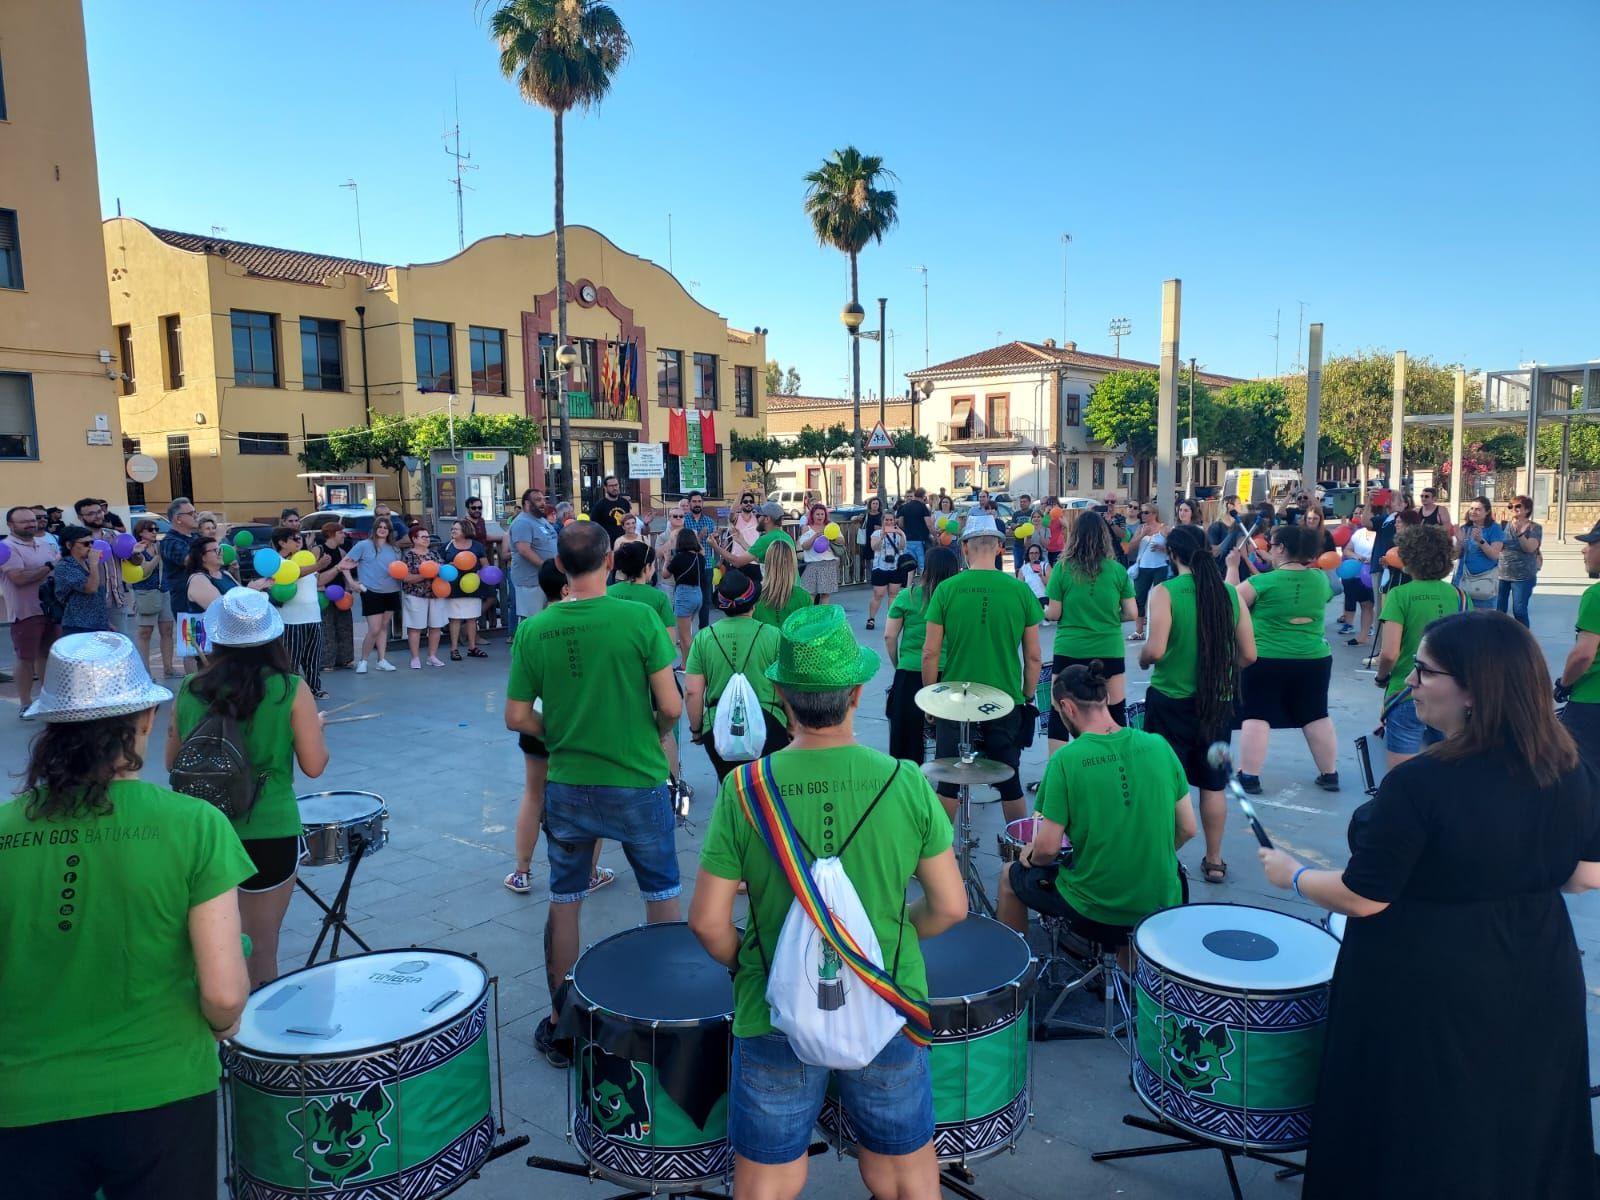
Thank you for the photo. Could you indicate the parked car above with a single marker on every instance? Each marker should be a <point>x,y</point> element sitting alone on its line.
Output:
<point>357,520</point>
<point>794,502</point>
<point>967,507</point>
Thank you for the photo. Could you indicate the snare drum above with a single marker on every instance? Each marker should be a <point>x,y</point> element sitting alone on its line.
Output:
<point>336,822</point>
<point>1019,833</point>
<point>980,984</point>
<point>651,1018</point>
<point>367,1076</point>
<point>1232,1006</point>
<point>1334,923</point>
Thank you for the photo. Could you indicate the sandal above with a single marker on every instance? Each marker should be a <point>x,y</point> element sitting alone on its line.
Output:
<point>476,653</point>
<point>602,876</point>
<point>1136,637</point>
<point>455,656</point>
<point>1213,872</point>
<point>872,623</point>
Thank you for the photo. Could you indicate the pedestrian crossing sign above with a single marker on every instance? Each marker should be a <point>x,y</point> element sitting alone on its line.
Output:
<point>880,439</point>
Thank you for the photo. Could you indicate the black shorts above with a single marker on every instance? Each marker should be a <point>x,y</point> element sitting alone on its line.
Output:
<point>1117,665</point>
<point>1356,592</point>
<point>1001,741</point>
<point>885,578</point>
<point>274,859</point>
<point>1176,720</point>
<point>531,746</point>
<point>375,603</point>
<point>1036,888</point>
<point>1286,693</point>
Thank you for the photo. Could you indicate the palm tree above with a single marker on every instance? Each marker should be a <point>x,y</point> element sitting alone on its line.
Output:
<point>562,55</point>
<point>848,208</point>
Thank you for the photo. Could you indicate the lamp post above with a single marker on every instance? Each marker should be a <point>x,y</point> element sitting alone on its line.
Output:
<point>880,335</point>
<point>925,388</point>
<point>852,315</point>
<point>566,356</point>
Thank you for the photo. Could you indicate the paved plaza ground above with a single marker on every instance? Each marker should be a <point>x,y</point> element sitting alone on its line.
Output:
<point>434,746</point>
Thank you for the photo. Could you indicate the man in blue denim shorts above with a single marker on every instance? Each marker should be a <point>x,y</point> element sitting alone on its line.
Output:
<point>596,663</point>
<point>883,822</point>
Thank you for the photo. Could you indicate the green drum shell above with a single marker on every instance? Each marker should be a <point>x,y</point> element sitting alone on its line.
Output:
<point>440,1133</point>
<point>1264,1098</point>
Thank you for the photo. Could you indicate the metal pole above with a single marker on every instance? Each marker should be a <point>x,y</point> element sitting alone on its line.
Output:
<point>1189,463</point>
<point>1313,446</point>
<point>1531,454</point>
<point>1397,430</point>
<point>1458,477</point>
<point>883,336</point>
<point>1167,400</point>
<point>1561,483</point>
<point>855,398</point>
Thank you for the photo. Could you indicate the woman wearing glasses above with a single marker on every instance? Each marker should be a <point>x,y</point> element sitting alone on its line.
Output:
<point>1148,548</point>
<point>1454,889</point>
<point>1520,559</point>
<point>76,578</point>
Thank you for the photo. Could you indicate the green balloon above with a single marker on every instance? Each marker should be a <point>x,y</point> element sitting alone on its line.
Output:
<point>244,539</point>
<point>229,554</point>
<point>283,592</point>
<point>322,600</point>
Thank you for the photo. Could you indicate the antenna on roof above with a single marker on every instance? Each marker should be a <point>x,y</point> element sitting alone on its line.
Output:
<point>218,230</point>
<point>463,163</point>
<point>355,189</point>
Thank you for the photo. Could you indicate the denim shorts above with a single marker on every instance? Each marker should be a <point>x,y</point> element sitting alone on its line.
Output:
<point>919,551</point>
<point>686,600</point>
<point>576,816</point>
<point>774,1099</point>
<point>1403,733</point>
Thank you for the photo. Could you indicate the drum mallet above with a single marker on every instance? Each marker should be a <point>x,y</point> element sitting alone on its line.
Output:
<point>1221,760</point>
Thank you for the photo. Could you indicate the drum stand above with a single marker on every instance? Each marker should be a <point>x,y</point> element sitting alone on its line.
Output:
<point>336,915</point>
<point>1189,1141</point>
<point>966,841</point>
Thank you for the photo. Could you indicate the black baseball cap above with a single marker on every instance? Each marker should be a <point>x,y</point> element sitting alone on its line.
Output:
<point>1592,536</point>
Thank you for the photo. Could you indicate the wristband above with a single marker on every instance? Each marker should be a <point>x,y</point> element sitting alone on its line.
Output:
<point>1295,882</point>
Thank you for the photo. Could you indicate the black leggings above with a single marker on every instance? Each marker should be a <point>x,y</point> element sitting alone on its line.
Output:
<point>152,1154</point>
<point>1145,578</point>
<point>907,725</point>
<point>777,739</point>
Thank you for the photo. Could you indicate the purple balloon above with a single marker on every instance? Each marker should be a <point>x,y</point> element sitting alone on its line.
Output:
<point>103,547</point>
<point>820,545</point>
<point>123,545</point>
<point>335,592</point>
<point>5,553</point>
<point>491,576</point>
<point>1366,575</point>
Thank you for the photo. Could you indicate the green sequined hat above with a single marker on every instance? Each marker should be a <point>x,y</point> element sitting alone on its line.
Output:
<point>819,653</point>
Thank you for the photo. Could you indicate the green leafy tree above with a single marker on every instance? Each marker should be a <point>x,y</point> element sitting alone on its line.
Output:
<point>781,382</point>
<point>1248,421</point>
<point>850,207</point>
<point>823,446</point>
<point>562,55</point>
<point>1122,412</point>
<point>763,452</point>
<point>905,446</point>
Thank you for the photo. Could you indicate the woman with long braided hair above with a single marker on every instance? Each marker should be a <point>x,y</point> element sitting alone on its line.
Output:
<point>1200,637</point>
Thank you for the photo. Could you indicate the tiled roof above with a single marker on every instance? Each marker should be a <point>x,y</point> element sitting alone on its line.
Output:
<point>800,403</point>
<point>1032,355</point>
<point>270,262</point>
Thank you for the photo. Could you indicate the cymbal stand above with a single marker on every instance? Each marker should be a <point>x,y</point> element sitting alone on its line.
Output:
<point>966,841</point>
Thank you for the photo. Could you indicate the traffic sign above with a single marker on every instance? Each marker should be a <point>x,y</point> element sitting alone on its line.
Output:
<point>880,439</point>
<point>1191,447</point>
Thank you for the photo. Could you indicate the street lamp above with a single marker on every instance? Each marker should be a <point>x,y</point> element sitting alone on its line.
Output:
<point>566,356</point>
<point>879,335</point>
<point>852,315</point>
<point>926,390</point>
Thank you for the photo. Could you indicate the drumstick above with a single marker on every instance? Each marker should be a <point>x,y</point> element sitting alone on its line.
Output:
<point>1220,760</point>
<point>347,720</point>
<point>328,712</point>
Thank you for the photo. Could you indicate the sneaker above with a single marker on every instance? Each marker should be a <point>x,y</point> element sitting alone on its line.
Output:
<point>385,665</point>
<point>517,881</point>
<point>1250,783</point>
<point>602,876</point>
<point>416,664</point>
<point>1345,627</point>
<point>1329,782</point>
<point>1355,641</point>
<point>557,1051</point>
<point>361,667</point>
<point>435,661</point>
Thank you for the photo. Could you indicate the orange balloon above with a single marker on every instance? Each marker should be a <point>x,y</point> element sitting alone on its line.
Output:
<point>1261,543</point>
<point>398,570</point>
<point>429,569</point>
<point>1056,514</point>
<point>1392,559</point>
<point>345,602</point>
<point>945,539</point>
<point>441,589</point>
<point>465,561</point>
<point>1329,561</point>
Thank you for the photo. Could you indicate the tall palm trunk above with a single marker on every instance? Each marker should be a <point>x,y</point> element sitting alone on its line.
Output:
<point>855,377</point>
<point>561,309</point>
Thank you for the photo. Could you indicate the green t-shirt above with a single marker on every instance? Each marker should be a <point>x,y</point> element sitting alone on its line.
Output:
<point>798,598</point>
<point>590,661</point>
<point>269,744</point>
<point>1174,674</point>
<point>98,996</point>
<point>909,606</point>
<point>652,597</point>
<point>758,548</point>
<point>1281,598</point>
<point>1114,793</point>
<point>983,614</point>
<point>740,644</point>
<point>826,793</point>
<point>1587,689</point>
<point>1413,606</point>
<point>1091,609</point>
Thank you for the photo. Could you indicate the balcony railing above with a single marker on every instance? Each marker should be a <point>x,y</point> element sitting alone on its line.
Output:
<point>581,406</point>
<point>975,429</point>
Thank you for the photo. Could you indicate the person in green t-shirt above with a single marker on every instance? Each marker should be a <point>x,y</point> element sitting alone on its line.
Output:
<point>781,593</point>
<point>1578,685</point>
<point>903,635</point>
<point>1120,798</point>
<point>631,567</point>
<point>983,627</point>
<point>879,818</point>
<point>736,645</point>
<point>1408,610</point>
<point>1090,599</point>
<point>750,557</point>
<point>1287,686</point>
<point>596,663</point>
<point>1200,638</point>
<point>124,964</point>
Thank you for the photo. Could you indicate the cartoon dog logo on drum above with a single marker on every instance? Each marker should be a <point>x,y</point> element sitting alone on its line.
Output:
<point>1197,1057</point>
<point>615,1090</point>
<point>338,1139</point>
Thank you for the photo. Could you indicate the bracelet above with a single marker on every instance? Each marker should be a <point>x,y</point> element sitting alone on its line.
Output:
<point>1295,882</point>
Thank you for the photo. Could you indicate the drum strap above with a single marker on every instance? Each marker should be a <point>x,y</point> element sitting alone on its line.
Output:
<point>758,795</point>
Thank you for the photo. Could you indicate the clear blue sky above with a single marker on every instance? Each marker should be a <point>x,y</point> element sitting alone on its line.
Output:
<point>1423,175</point>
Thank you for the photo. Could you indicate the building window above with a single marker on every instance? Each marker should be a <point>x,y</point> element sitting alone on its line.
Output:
<point>255,351</point>
<point>10,250</point>
<point>963,476</point>
<point>172,344</point>
<point>436,370</point>
<point>872,478</point>
<point>999,414</point>
<point>125,359</point>
<point>705,381</point>
<point>19,435</point>
<point>179,474</point>
<point>1097,472</point>
<point>488,361</point>
<point>1074,409</point>
<point>321,354</point>
<point>999,476</point>
<point>669,378</point>
<point>1072,474</point>
<point>744,391</point>
<point>263,443</point>
<point>130,447</point>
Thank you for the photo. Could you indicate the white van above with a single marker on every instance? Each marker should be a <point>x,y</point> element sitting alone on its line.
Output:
<point>794,503</point>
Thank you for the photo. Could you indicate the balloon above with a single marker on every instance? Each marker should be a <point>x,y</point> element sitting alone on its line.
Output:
<point>283,592</point>
<point>831,532</point>
<point>465,561</point>
<point>469,582</point>
<point>132,572</point>
<point>1328,560</point>
<point>335,592</point>
<point>716,575</point>
<point>323,601</point>
<point>441,589</point>
<point>1342,535</point>
<point>123,545</point>
<point>1392,558</point>
<point>583,516</point>
<point>345,602</point>
<point>244,539</point>
<point>1045,520</point>
<point>820,545</point>
<point>286,573</point>
<point>1366,575</point>
<point>229,555</point>
<point>492,576</point>
<point>398,570</point>
<point>1056,514</point>
<point>945,539</point>
<point>266,561</point>
<point>448,573</point>
<point>102,547</point>
<point>303,558</point>
<point>429,568</point>
<point>1350,568</point>
<point>1025,530</point>
<point>5,553</point>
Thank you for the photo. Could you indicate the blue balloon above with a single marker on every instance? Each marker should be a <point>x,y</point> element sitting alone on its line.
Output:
<point>266,561</point>
<point>1349,568</point>
<point>448,573</point>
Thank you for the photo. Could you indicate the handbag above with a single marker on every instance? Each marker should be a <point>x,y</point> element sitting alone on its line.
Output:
<point>1483,585</point>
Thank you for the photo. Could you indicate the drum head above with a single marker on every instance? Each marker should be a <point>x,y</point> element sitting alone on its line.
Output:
<point>973,958</point>
<point>338,808</point>
<point>1237,947</point>
<point>654,973</point>
<point>360,1003</point>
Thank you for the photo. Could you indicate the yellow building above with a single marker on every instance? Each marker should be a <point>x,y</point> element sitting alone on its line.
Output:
<point>253,349</point>
<point>788,415</point>
<point>59,434</point>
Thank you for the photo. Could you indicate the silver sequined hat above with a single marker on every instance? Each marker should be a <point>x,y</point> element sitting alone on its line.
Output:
<point>242,617</point>
<point>981,524</point>
<point>95,675</point>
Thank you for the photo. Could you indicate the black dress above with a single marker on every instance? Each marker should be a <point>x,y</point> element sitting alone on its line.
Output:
<point>1457,1058</point>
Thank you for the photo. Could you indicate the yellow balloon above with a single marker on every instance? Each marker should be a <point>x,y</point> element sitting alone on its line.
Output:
<point>132,572</point>
<point>469,582</point>
<point>287,572</point>
<point>303,558</point>
<point>1025,530</point>
<point>716,576</point>
<point>583,516</point>
<point>831,532</point>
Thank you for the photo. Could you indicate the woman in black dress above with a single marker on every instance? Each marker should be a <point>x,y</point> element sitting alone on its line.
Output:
<point>1456,1060</point>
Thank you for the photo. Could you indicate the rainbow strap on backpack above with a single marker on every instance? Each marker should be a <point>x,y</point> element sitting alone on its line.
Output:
<point>758,796</point>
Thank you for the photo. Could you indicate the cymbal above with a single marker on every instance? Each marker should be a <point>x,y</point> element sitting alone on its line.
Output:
<point>954,701</point>
<point>980,772</point>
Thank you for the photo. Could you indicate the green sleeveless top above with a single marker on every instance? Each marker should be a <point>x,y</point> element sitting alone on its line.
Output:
<point>269,742</point>
<point>1174,674</point>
